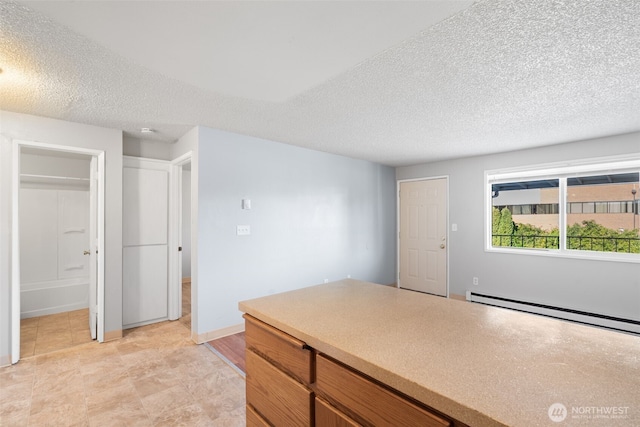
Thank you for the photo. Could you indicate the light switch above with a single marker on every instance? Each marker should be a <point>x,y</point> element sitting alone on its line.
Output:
<point>243,230</point>
<point>454,227</point>
<point>246,204</point>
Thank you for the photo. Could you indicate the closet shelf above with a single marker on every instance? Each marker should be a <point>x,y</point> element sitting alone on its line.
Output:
<point>52,179</point>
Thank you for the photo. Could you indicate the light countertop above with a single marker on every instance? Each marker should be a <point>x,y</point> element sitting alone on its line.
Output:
<point>481,365</point>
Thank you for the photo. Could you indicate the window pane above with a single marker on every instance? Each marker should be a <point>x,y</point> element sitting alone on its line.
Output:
<point>605,224</point>
<point>532,218</point>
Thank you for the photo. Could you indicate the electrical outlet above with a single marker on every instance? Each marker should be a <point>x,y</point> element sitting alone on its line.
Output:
<point>243,230</point>
<point>326,280</point>
<point>475,281</point>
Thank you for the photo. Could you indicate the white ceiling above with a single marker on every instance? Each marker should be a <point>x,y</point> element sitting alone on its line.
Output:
<point>388,81</point>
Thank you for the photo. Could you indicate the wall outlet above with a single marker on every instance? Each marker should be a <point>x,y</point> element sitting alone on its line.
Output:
<point>243,230</point>
<point>348,276</point>
<point>326,280</point>
<point>475,281</point>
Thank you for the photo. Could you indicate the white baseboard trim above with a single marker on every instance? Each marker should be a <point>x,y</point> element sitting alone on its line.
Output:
<point>5,360</point>
<point>219,333</point>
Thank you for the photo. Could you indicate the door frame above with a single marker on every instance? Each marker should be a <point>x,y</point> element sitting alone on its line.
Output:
<point>175,238</point>
<point>15,235</point>
<point>429,178</point>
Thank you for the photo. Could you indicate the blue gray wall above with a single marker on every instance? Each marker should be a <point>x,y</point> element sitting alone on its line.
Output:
<point>314,216</point>
<point>611,288</point>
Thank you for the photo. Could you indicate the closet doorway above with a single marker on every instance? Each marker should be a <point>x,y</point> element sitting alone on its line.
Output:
<point>57,232</point>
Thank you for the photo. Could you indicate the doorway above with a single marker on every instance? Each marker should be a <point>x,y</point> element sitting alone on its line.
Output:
<point>57,256</point>
<point>422,237</point>
<point>182,263</point>
<point>185,244</point>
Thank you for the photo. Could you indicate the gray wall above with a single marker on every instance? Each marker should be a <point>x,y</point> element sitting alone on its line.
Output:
<point>606,287</point>
<point>314,216</point>
<point>32,128</point>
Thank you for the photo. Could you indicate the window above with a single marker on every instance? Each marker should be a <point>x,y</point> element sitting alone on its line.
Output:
<point>586,210</point>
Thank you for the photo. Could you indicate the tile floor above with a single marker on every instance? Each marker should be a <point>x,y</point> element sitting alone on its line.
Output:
<point>44,334</point>
<point>154,376</point>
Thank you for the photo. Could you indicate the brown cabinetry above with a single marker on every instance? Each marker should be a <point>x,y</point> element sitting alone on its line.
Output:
<point>279,375</point>
<point>367,401</point>
<point>289,384</point>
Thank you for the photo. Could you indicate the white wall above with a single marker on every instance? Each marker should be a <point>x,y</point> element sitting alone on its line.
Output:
<point>314,216</point>
<point>32,128</point>
<point>138,147</point>
<point>611,288</point>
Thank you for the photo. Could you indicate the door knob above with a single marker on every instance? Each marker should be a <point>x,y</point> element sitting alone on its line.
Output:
<point>442,246</point>
<point>87,253</point>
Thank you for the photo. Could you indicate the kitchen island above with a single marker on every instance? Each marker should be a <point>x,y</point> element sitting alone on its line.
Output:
<point>459,362</point>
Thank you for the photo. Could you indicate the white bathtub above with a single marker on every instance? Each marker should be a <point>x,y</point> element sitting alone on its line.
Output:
<point>51,297</point>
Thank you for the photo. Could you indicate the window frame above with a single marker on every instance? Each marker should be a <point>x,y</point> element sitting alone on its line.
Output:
<point>562,171</point>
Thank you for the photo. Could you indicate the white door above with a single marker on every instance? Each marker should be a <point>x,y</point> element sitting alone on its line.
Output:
<point>93,247</point>
<point>145,241</point>
<point>422,237</point>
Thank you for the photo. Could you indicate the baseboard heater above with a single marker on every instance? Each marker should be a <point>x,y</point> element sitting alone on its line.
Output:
<point>593,319</point>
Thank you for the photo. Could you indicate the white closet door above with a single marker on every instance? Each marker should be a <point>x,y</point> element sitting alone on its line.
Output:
<point>145,232</point>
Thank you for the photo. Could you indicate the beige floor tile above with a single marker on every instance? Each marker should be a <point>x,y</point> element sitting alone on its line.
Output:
<point>155,383</point>
<point>189,415</point>
<point>121,413</point>
<point>110,397</point>
<point>81,336</point>
<point>165,401</point>
<point>56,382</point>
<point>64,414</point>
<point>154,375</point>
<point>29,322</point>
<point>27,348</point>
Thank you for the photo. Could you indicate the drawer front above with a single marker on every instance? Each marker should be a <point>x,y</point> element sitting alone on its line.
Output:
<point>280,399</point>
<point>368,401</point>
<point>328,416</point>
<point>286,352</point>
<point>254,419</point>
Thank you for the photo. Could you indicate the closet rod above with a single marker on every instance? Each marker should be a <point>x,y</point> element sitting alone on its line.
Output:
<point>26,175</point>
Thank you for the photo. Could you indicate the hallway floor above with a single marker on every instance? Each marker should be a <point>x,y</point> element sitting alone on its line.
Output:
<point>154,376</point>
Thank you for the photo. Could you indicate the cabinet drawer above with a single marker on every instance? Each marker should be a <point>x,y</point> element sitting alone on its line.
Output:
<point>286,352</point>
<point>282,400</point>
<point>254,419</point>
<point>328,416</point>
<point>367,401</point>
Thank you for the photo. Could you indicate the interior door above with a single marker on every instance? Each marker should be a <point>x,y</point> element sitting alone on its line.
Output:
<point>93,247</point>
<point>423,236</point>
<point>145,240</point>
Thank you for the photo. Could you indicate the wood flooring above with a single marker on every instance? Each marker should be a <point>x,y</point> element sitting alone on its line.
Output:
<point>232,348</point>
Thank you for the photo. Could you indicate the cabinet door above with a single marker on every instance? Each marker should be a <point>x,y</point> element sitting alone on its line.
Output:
<point>282,400</point>
<point>286,352</point>
<point>368,401</point>
<point>328,416</point>
<point>254,419</point>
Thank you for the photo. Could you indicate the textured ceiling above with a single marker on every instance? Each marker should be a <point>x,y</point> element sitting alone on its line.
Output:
<point>464,79</point>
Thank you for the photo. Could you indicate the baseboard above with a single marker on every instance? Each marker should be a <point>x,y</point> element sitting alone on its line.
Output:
<point>5,360</point>
<point>219,333</point>
<point>458,297</point>
<point>112,335</point>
